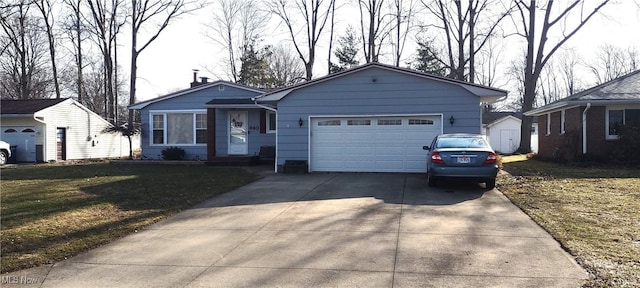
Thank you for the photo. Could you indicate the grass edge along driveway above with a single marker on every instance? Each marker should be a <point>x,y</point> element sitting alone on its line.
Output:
<point>592,212</point>
<point>52,212</point>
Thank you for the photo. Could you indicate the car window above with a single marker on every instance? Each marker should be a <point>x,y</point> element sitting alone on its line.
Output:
<point>460,142</point>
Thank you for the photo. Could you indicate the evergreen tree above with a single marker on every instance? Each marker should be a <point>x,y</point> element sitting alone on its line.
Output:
<point>427,60</point>
<point>254,70</point>
<point>346,52</point>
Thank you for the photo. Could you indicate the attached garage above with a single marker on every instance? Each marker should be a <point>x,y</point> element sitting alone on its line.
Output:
<point>372,118</point>
<point>371,144</point>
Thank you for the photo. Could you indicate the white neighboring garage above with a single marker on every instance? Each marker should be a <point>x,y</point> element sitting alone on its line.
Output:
<point>46,130</point>
<point>371,143</point>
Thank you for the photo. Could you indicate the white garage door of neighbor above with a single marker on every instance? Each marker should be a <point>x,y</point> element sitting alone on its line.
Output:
<point>372,144</point>
<point>25,139</point>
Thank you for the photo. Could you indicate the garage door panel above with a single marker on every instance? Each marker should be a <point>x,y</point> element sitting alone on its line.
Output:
<point>388,144</point>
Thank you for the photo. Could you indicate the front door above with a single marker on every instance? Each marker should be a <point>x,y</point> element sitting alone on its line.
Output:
<point>61,141</point>
<point>238,144</point>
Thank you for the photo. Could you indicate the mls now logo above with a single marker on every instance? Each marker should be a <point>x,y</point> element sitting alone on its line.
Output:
<point>19,280</point>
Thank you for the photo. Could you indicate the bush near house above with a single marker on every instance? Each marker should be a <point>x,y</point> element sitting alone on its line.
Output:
<point>627,148</point>
<point>173,153</point>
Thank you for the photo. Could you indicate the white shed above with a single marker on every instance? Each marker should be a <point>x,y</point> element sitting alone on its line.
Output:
<point>46,130</point>
<point>504,134</point>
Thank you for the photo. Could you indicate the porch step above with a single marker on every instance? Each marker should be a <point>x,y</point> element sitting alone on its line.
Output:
<point>233,161</point>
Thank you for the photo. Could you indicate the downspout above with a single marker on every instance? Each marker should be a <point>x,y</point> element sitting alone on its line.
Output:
<point>274,110</point>
<point>584,128</point>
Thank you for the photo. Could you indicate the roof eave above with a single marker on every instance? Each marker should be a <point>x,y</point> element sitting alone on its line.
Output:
<point>232,106</point>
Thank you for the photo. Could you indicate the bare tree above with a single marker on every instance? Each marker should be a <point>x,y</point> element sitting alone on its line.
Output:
<point>611,62</point>
<point>285,67</point>
<point>46,11</point>
<point>537,54</point>
<point>23,62</point>
<point>237,24</point>
<point>309,15</point>
<point>105,23</point>
<point>568,62</point>
<point>467,28</point>
<point>403,16</point>
<point>374,21</point>
<point>488,68</point>
<point>74,28</point>
<point>146,14</point>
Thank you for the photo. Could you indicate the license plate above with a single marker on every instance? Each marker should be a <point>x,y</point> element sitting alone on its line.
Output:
<point>464,160</point>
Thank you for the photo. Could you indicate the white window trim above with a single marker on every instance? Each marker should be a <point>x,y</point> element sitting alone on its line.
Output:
<point>548,124</point>
<point>268,122</point>
<point>164,129</point>
<point>562,121</point>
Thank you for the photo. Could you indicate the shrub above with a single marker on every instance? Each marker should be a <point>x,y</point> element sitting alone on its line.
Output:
<point>625,150</point>
<point>173,153</point>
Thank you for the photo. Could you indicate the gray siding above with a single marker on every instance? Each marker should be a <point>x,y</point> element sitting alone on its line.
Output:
<point>357,94</point>
<point>193,101</point>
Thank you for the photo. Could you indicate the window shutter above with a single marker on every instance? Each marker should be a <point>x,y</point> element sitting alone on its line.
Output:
<point>263,121</point>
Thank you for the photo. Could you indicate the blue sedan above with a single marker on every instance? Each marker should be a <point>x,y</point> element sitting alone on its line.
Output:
<point>461,156</point>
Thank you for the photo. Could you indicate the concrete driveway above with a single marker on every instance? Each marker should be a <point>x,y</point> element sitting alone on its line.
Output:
<point>330,230</point>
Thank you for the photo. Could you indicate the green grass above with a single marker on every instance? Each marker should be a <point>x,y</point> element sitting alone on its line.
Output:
<point>593,212</point>
<point>51,212</point>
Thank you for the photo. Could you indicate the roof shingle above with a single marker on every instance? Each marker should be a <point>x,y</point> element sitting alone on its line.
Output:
<point>29,106</point>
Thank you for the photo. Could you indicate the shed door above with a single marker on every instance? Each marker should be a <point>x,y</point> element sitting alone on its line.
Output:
<point>372,144</point>
<point>61,144</point>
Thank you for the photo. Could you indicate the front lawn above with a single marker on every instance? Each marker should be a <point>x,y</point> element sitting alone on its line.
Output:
<point>593,212</point>
<point>52,212</point>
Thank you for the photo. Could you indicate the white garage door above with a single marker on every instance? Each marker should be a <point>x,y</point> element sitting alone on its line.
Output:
<point>372,144</point>
<point>24,137</point>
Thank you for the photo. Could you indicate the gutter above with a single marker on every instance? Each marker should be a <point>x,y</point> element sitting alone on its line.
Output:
<point>255,101</point>
<point>584,128</point>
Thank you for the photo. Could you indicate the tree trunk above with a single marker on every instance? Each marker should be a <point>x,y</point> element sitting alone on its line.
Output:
<point>472,44</point>
<point>529,83</point>
<point>460,68</point>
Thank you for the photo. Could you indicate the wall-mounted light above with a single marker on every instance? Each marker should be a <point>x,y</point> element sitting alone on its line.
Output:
<point>374,80</point>
<point>452,120</point>
<point>300,122</point>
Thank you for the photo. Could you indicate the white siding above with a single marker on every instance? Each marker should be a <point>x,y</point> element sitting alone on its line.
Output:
<point>85,137</point>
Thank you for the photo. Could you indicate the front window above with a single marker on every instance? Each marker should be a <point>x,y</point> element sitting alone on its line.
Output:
<point>180,128</point>
<point>201,128</point>
<point>562,121</point>
<point>158,129</point>
<point>271,122</point>
<point>618,118</point>
<point>549,124</point>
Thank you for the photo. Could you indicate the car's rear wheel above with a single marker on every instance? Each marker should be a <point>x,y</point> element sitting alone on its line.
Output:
<point>490,183</point>
<point>3,157</point>
<point>431,181</point>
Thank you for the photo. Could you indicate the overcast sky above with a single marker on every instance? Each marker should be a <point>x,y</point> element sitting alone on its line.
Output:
<point>167,64</point>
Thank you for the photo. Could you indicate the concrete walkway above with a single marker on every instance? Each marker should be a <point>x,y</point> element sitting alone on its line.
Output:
<point>330,230</point>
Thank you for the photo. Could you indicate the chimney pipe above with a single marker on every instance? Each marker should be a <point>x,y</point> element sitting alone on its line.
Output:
<point>204,79</point>
<point>195,78</point>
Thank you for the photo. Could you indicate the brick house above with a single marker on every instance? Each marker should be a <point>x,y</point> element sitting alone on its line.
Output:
<point>596,112</point>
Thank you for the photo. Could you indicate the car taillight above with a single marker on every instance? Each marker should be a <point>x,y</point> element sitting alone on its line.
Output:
<point>492,158</point>
<point>435,158</point>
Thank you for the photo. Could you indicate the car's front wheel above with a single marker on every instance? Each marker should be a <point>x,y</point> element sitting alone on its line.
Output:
<point>3,157</point>
<point>490,183</point>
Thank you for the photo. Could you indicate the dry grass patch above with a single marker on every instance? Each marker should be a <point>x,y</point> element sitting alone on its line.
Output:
<point>51,212</point>
<point>592,212</point>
